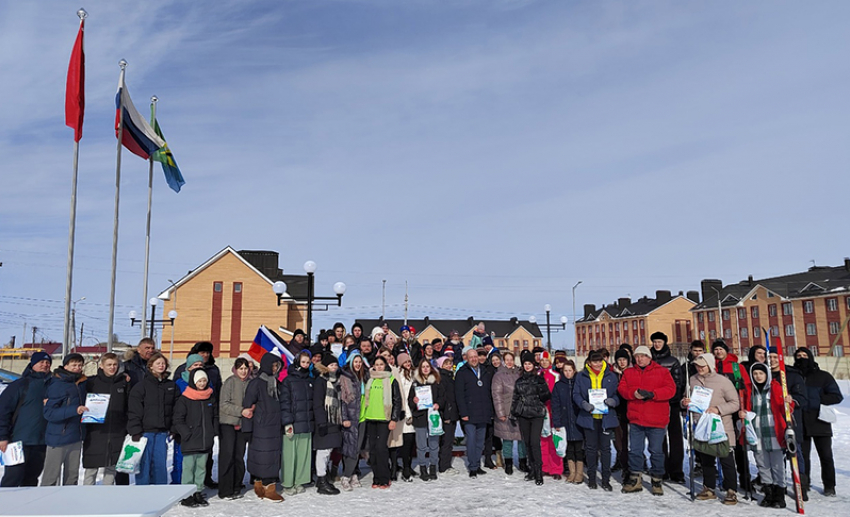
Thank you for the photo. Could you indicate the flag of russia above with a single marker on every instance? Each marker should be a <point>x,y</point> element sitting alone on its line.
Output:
<point>137,136</point>
<point>267,341</point>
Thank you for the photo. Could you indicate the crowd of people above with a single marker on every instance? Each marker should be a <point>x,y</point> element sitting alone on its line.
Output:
<point>395,401</point>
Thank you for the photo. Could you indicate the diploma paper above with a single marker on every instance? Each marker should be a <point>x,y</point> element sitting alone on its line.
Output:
<point>700,399</point>
<point>597,398</point>
<point>97,404</point>
<point>423,393</point>
<point>14,454</point>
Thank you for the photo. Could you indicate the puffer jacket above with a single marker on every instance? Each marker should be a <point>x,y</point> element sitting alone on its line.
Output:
<point>65,393</point>
<point>821,389</point>
<point>449,410</point>
<point>264,450</point>
<point>530,396</point>
<point>664,358</point>
<point>151,405</point>
<point>25,397</point>
<point>420,416</point>
<point>503,395</point>
<point>580,394</point>
<point>654,412</point>
<point>296,400</point>
<point>724,397</point>
<point>196,420</point>
<point>564,410</point>
<point>104,441</point>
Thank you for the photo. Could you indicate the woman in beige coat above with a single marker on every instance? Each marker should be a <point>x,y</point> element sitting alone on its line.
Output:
<point>724,402</point>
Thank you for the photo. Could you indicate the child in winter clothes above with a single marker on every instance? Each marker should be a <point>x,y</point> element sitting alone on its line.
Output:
<point>426,375</point>
<point>181,379</point>
<point>196,422</point>
<point>765,400</point>
<point>66,398</point>
<point>104,441</point>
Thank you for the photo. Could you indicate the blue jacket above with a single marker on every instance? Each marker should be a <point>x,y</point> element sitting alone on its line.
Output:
<point>29,426</point>
<point>564,410</point>
<point>580,394</point>
<point>474,401</point>
<point>65,393</point>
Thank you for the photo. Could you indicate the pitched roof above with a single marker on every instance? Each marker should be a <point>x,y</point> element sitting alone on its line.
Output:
<point>816,281</point>
<point>501,328</point>
<point>639,307</point>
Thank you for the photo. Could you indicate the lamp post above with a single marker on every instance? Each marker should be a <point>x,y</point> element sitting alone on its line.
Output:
<point>73,336</point>
<point>174,310</point>
<point>575,330</point>
<point>172,315</point>
<point>310,267</point>
<point>548,309</point>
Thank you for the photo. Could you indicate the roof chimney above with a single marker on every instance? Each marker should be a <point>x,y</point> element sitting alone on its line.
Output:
<point>750,280</point>
<point>514,321</point>
<point>427,321</point>
<point>706,287</point>
<point>589,308</point>
<point>624,302</point>
<point>471,320</point>
<point>846,263</point>
<point>693,296</point>
<point>662,297</point>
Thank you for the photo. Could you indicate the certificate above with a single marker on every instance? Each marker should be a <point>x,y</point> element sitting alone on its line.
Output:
<point>597,399</point>
<point>14,454</point>
<point>700,399</point>
<point>423,393</point>
<point>97,404</point>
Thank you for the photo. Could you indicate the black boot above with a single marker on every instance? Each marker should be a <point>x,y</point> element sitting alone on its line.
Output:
<point>432,472</point>
<point>529,472</point>
<point>523,465</point>
<point>538,476</point>
<point>325,487</point>
<point>804,485</point>
<point>423,473</point>
<point>509,466</point>
<point>768,500</point>
<point>778,496</point>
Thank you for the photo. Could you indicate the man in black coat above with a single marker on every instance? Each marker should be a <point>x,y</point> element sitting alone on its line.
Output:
<point>674,446</point>
<point>822,390</point>
<point>136,360</point>
<point>475,407</point>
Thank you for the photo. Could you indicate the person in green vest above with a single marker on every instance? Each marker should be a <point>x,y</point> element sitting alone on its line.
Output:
<point>382,411</point>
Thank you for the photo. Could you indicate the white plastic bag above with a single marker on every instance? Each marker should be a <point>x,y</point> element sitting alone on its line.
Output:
<point>546,432</point>
<point>718,432</point>
<point>749,431</point>
<point>559,438</point>
<point>435,423</point>
<point>827,414</point>
<point>131,455</point>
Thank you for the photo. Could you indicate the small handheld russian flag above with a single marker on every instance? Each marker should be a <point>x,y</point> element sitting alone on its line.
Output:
<point>266,342</point>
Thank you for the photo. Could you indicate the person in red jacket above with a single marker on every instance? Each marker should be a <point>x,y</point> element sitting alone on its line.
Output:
<point>648,388</point>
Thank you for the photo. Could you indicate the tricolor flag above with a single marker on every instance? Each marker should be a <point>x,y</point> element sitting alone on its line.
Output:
<point>269,342</point>
<point>164,156</point>
<point>75,87</point>
<point>138,136</point>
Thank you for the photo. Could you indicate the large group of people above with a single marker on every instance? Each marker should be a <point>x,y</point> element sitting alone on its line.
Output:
<point>394,402</point>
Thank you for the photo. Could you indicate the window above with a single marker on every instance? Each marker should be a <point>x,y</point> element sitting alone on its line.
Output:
<point>848,302</point>
<point>789,330</point>
<point>536,342</point>
<point>728,334</point>
<point>700,315</point>
<point>771,310</point>
<point>838,351</point>
<point>641,324</point>
<point>617,327</point>
<point>710,316</point>
<point>787,309</point>
<point>237,287</point>
<point>832,305</point>
<point>811,329</point>
<point>702,335</point>
<point>604,342</point>
<point>501,343</point>
<point>525,343</point>
<point>713,335</point>
<point>217,287</point>
<point>634,325</point>
<point>814,350</point>
<point>643,340</point>
<point>597,342</point>
<point>756,332</point>
<point>725,314</point>
<point>742,314</point>
<point>755,312</point>
<point>516,343</point>
<point>610,327</point>
<point>745,332</point>
<point>596,328</point>
<point>834,326</point>
<point>808,307</point>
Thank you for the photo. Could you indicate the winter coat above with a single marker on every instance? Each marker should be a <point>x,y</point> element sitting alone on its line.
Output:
<point>727,367</point>
<point>66,392</point>
<point>420,416</point>
<point>296,400</point>
<point>230,400</point>
<point>530,396</point>
<point>654,412</point>
<point>404,386</point>
<point>327,435</point>
<point>580,394</point>
<point>25,397</point>
<point>777,407</point>
<point>134,366</point>
<point>723,396</point>
<point>564,409</point>
<point>503,395</point>
<point>351,413</point>
<point>411,347</point>
<point>196,420</point>
<point>449,410</point>
<point>664,358</point>
<point>373,407</point>
<point>821,389</point>
<point>103,442</point>
<point>264,450</point>
<point>474,401</point>
<point>151,405</point>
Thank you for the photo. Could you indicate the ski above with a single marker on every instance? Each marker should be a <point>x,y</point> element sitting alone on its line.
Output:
<point>790,438</point>
<point>742,397</point>
<point>690,430</point>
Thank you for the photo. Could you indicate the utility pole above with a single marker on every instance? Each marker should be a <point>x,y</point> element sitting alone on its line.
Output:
<point>405,302</point>
<point>24,335</point>
<point>82,325</point>
<point>383,300</point>
<point>34,329</point>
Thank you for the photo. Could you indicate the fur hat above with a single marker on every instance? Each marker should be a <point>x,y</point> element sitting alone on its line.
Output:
<point>526,357</point>
<point>622,354</point>
<point>719,344</point>
<point>658,335</point>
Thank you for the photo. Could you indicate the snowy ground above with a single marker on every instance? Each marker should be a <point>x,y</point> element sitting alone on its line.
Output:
<point>497,494</point>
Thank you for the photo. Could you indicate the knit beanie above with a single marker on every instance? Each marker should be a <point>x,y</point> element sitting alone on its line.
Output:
<point>72,357</point>
<point>402,358</point>
<point>329,359</point>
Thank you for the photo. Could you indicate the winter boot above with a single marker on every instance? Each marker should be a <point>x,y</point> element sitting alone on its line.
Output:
<point>538,476</point>
<point>201,499</point>
<point>579,477</point>
<point>509,466</point>
<point>778,496</point>
<point>707,494</point>
<point>355,481</point>
<point>656,487</point>
<point>529,472</point>
<point>731,498</point>
<point>634,484</point>
<point>500,461</point>
<point>769,497</point>
<point>346,483</point>
<point>325,487</point>
<point>259,489</point>
<point>804,485</point>
<point>523,465</point>
<point>571,464</point>
<point>190,502</point>
<point>432,472</point>
<point>407,475</point>
<point>271,493</point>
<point>423,473</point>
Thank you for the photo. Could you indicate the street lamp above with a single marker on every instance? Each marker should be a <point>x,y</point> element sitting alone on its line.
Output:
<point>172,315</point>
<point>574,315</point>
<point>310,267</point>
<point>548,309</point>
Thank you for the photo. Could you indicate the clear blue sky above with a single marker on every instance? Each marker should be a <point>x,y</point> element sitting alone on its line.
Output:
<point>491,153</point>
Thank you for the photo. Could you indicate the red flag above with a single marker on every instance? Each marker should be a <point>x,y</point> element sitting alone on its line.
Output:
<point>75,91</point>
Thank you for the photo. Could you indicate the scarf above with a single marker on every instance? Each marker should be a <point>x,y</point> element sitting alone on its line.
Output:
<point>196,394</point>
<point>386,380</point>
<point>596,381</point>
<point>763,422</point>
<point>271,384</point>
<point>332,405</point>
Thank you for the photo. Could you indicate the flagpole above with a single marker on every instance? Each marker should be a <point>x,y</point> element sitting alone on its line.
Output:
<point>72,227</point>
<point>109,338</point>
<point>148,227</point>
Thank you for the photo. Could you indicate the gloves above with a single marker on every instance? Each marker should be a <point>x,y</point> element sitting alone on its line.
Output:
<point>646,394</point>
<point>137,437</point>
<point>587,406</point>
<point>323,430</point>
<point>610,402</point>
